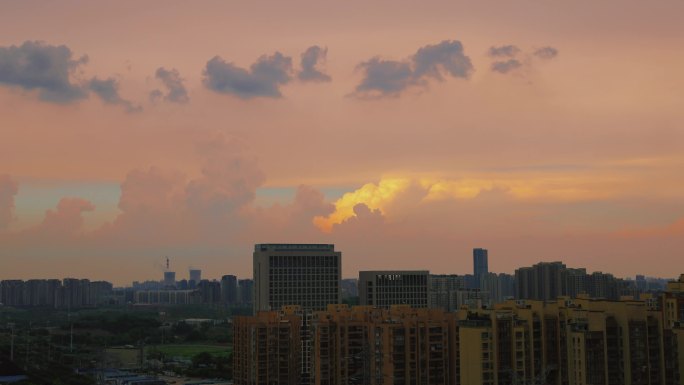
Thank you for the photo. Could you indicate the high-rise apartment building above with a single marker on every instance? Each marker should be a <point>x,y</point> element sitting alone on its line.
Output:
<point>69,293</point>
<point>210,291</point>
<point>229,289</point>
<point>549,280</point>
<point>399,345</point>
<point>443,291</point>
<point>307,275</point>
<point>480,265</point>
<point>169,279</point>
<point>499,287</point>
<point>246,292</point>
<point>194,277</point>
<point>542,281</point>
<point>580,341</point>
<point>267,348</point>
<point>384,288</point>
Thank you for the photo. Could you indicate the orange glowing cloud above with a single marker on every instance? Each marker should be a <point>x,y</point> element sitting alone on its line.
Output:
<point>451,189</point>
<point>530,187</point>
<point>375,197</point>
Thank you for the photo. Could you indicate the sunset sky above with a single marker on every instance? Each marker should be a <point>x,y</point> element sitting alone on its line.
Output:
<point>405,132</point>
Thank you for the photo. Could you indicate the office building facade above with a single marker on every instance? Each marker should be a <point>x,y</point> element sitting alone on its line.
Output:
<point>307,275</point>
<point>384,288</point>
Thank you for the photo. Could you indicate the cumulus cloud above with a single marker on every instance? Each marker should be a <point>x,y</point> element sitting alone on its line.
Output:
<point>504,51</point>
<point>446,57</point>
<point>385,77</point>
<point>45,68</point>
<point>108,91</point>
<point>506,66</point>
<point>164,208</point>
<point>8,189</point>
<point>263,79</point>
<point>364,217</point>
<point>546,52</point>
<point>310,60</point>
<point>375,196</point>
<point>67,218</point>
<point>175,89</point>
<point>390,77</point>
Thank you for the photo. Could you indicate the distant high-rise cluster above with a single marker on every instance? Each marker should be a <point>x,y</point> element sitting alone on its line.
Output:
<point>549,280</point>
<point>65,294</point>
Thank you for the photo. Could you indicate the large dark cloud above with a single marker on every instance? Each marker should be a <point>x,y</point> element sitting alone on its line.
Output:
<point>263,79</point>
<point>391,77</point>
<point>386,77</point>
<point>42,67</point>
<point>504,51</point>
<point>176,91</point>
<point>506,66</point>
<point>309,61</point>
<point>8,189</point>
<point>446,57</point>
<point>108,91</point>
<point>546,52</point>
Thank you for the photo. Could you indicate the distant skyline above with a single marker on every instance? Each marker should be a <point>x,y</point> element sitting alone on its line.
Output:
<point>405,133</point>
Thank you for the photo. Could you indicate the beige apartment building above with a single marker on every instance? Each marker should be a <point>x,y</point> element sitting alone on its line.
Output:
<point>565,341</point>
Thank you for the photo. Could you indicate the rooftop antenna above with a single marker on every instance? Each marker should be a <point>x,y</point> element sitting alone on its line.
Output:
<point>167,263</point>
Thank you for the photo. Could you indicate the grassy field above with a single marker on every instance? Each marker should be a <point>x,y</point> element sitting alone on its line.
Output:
<point>189,351</point>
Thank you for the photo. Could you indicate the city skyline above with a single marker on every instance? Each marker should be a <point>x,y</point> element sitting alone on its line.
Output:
<point>541,132</point>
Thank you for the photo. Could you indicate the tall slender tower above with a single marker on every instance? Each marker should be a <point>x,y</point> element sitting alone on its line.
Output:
<point>480,264</point>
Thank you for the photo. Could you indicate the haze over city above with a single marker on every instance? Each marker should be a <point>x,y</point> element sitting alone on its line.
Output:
<point>406,133</point>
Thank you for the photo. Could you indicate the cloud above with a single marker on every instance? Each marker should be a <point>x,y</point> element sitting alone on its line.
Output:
<point>374,196</point>
<point>446,57</point>
<point>287,221</point>
<point>363,216</point>
<point>166,208</point>
<point>310,60</point>
<point>263,79</point>
<point>546,52</point>
<point>384,77</point>
<point>391,77</point>
<point>674,229</point>
<point>506,66</point>
<point>509,57</point>
<point>176,92</point>
<point>455,189</point>
<point>156,95</point>
<point>8,189</point>
<point>108,91</point>
<point>35,65</point>
<point>67,219</point>
<point>504,51</point>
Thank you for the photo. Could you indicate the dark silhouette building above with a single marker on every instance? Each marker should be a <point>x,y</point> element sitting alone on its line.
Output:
<point>480,265</point>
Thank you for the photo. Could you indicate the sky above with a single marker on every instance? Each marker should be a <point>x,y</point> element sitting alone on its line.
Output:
<point>407,133</point>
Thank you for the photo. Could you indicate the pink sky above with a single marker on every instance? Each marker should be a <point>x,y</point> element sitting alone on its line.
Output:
<point>573,150</point>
